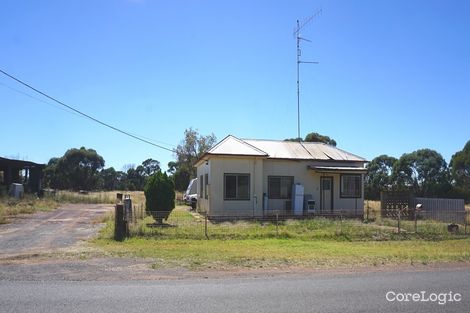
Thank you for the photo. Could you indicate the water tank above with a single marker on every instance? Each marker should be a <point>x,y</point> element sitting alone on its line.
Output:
<point>16,190</point>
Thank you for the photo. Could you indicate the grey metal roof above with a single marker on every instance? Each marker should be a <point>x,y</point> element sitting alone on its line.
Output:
<point>276,149</point>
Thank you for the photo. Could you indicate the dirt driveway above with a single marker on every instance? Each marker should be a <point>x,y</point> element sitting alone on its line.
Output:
<point>53,246</point>
<point>50,231</point>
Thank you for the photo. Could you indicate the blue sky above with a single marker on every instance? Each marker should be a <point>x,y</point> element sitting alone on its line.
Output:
<point>393,75</point>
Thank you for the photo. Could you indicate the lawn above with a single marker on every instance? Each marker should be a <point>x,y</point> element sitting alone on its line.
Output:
<point>256,253</point>
<point>311,243</point>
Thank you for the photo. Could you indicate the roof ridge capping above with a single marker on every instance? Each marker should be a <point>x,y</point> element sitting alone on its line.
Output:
<point>241,141</point>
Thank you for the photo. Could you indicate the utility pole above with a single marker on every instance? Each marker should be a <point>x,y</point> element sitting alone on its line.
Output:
<point>299,61</point>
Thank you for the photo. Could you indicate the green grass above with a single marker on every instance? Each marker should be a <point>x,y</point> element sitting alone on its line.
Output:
<point>182,224</point>
<point>256,253</point>
<point>307,243</point>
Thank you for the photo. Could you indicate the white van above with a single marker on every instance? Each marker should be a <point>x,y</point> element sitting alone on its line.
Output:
<point>190,196</point>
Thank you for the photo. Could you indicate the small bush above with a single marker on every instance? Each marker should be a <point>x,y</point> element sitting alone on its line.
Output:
<point>159,196</point>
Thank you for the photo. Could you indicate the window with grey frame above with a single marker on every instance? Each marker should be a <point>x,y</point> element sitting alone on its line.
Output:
<point>280,187</point>
<point>351,186</point>
<point>236,186</point>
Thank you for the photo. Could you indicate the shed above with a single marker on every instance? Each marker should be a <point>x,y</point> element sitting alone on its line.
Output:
<point>10,173</point>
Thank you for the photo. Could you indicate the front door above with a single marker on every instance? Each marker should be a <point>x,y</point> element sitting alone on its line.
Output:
<point>326,194</point>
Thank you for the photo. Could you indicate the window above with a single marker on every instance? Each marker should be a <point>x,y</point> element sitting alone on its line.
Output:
<point>237,186</point>
<point>201,186</point>
<point>280,187</point>
<point>206,183</point>
<point>351,186</point>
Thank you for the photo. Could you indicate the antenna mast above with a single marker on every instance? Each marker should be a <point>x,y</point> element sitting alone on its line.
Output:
<point>299,61</point>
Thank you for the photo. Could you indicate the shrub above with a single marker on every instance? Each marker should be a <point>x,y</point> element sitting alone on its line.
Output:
<point>159,196</point>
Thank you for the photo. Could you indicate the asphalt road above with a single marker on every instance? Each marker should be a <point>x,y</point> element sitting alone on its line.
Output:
<point>299,293</point>
<point>48,231</point>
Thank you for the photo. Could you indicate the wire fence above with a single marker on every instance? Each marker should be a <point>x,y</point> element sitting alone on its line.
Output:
<point>183,223</point>
<point>407,210</point>
<point>186,224</point>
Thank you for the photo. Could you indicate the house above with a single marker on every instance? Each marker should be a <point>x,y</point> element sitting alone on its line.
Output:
<point>241,178</point>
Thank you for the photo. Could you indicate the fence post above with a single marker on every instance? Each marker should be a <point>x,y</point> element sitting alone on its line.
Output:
<point>341,223</point>
<point>368,208</point>
<point>277,225</point>
<point>205,226</point>
<point>399,219</point>
<point>466,221</point>
<point>119,223</point>
<point>134,215</point>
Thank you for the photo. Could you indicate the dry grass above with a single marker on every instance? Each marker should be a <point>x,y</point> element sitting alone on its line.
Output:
<point>372,209</point>
<point>10,207</point>
<point>315,243</point>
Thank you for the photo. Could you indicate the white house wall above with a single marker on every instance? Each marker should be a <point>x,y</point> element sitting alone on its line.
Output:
<point>259,170</point>
<point>202,170</point>
<point>217,206</point>
<point>298,169</point>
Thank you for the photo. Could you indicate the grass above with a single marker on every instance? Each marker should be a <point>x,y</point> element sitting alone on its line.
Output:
<point>256,253</point>
<point>10,207</point>
<point>309,243</point>
<point>182,224</point>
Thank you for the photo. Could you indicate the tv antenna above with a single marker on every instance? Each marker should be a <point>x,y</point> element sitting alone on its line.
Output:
<point>300,26</point>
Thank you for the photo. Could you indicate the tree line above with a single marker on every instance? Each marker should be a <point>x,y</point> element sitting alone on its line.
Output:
<point>423,172</point>
<point>83,169</point>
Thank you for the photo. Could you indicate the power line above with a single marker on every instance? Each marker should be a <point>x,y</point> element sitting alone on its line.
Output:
<point>84,114</point>
<point>38,99</point>
<point>72,112</point>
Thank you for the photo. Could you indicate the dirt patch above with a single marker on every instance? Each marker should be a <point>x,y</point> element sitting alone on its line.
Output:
<point>47,232</point>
